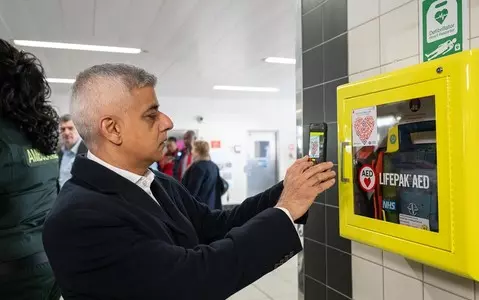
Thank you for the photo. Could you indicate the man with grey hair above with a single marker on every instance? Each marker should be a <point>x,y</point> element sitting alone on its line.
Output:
<point>117,231</point>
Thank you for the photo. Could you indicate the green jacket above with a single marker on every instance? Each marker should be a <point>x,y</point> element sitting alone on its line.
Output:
<point>28,188</point>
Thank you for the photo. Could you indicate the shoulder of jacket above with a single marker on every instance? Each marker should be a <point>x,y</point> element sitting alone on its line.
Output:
<point>82,149</point>
<point>12,135</point>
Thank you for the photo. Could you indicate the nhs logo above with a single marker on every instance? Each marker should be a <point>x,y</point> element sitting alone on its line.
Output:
<point>389,205</point>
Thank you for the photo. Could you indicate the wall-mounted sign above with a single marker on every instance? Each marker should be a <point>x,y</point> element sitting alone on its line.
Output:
<point>444,28</point>
<point>215,144</point>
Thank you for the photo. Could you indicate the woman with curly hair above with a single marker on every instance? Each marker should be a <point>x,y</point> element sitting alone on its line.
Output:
<point>28,175</point>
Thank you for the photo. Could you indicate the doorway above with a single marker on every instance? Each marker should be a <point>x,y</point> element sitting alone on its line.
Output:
<point>262,161</point>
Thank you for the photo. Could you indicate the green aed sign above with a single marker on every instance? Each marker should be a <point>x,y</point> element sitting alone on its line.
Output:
<point>443,27</point>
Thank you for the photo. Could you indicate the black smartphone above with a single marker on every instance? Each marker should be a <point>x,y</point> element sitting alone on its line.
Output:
<point>318,136</point>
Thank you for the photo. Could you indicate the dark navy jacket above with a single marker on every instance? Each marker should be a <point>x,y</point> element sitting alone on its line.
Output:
<point>107,239</point>
<point>202,180</point>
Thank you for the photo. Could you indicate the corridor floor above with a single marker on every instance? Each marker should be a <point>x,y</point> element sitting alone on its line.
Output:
<point>281,284</point>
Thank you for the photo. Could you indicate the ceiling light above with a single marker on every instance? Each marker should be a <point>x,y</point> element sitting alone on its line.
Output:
<point>76,47</point>
<point>280,60</point>
<point>245,88</point>
<point>60,80</point>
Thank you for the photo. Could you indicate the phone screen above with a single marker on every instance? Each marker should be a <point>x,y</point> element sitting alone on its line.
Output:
<point>316,145</point>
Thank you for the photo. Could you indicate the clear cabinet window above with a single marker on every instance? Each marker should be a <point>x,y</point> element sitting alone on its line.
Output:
<point>395,163</point>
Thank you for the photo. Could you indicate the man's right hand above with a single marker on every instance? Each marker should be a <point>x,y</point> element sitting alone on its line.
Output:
<point>302,184</point>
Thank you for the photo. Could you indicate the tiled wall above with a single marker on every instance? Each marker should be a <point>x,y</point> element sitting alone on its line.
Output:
<point>384,36</point>
<point>323,51</point>
<point>341,40</point>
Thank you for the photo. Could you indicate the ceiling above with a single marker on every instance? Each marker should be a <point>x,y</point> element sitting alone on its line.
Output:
<point>190,45</point>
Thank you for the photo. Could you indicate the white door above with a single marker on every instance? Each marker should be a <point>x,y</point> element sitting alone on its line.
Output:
<point>262,162</point>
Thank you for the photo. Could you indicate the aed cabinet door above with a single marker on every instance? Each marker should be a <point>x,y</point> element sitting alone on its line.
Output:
<point>393,164</point>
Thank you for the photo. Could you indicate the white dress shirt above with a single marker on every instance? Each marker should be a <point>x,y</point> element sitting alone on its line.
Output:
<point>145,181</point>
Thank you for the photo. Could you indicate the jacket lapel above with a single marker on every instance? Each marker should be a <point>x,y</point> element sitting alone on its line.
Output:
<point>181,225</point>
<point>60,157</point>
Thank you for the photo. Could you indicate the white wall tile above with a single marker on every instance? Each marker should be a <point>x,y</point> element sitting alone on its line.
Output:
<point>399,287</point>
<point>387,5</point>
<point>358,249</point>
<point>475,43</point>
<point>367,280</point>
<point>400,64</point>
<point>363,47</point>
<point>474,9</point>
<point>361,11</point>
<point>361,76</point>
<point>433,293</point>
<point>449,282</point>
<point>400,33</point>
<point>402,265</point>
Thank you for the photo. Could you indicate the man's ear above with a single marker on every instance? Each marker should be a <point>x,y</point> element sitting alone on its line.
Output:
<point>110,128</point>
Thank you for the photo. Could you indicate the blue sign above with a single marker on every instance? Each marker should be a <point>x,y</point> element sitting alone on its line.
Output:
<point>389,205</point>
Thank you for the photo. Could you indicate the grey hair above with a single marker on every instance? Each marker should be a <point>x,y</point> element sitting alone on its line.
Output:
<point>65,118</point>
<point>101,85</point>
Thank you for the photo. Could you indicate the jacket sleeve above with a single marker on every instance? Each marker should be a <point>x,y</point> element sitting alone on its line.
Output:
<point>214,224</point>
<point>104,247</point>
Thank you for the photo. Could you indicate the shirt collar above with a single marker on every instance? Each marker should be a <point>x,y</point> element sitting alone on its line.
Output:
<point>135,178</point>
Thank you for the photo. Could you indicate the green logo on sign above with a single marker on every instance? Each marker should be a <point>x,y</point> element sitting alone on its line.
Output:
<point>392,139</point>
<point>441,16</point>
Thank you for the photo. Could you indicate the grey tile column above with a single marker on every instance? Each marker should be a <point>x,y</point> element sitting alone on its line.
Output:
<point>322,65</point>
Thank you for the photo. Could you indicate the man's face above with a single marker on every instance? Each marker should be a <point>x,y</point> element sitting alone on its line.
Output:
<point>171,146</point>
<point>69,134</point>
<point>144,129</point>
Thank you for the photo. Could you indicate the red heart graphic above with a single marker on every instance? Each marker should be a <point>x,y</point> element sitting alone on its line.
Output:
<point>367,181</point>
<point>364,128</point>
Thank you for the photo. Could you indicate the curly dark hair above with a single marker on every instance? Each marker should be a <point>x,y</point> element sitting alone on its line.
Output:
<point>24,91</point>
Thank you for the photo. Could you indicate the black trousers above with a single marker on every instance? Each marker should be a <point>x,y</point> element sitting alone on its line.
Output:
<point>32,283</point>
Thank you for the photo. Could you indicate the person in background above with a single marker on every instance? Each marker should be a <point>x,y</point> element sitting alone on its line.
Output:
<point>186,155</point>
<point>28,176</point>
<point>72,145</point>
<point>167,163</point>
<point>202,179</point>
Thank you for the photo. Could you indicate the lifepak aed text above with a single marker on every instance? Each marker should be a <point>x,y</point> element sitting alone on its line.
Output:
<point>404,180</point>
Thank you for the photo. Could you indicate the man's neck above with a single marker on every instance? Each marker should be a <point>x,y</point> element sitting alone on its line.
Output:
<point>121,162</point>
<point>70,146</point>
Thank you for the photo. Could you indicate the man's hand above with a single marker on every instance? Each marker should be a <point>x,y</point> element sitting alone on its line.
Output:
<point>302,184</point>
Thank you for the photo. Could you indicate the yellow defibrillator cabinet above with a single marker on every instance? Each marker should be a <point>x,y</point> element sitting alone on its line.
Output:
<point>409,162</point>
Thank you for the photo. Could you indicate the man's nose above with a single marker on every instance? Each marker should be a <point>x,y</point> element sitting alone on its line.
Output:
<point>166,122</point>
